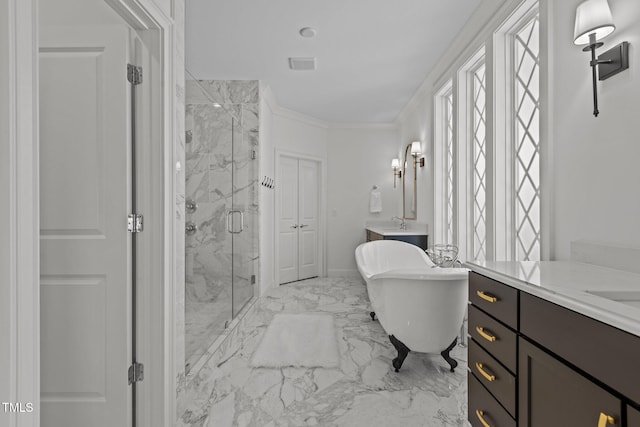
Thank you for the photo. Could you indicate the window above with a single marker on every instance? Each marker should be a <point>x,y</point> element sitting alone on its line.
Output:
<point>444,166</point>
<point>487,145</point>
<point>449,168</point>
<point>527,140</point>
<point>479,158</point>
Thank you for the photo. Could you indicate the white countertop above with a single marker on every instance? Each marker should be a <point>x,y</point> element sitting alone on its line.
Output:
<point>384,231</point>
<point>569,284</point>
<point>392,228</point>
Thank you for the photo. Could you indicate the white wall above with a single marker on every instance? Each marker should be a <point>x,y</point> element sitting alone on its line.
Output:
<point>416,125</point>
<point>5,189</point>
<point>267,196</point>
<point>596,182</point>
<point>589,174</point>
<point>287,131</point>
<point>300,134</point>
<point>416,120</point>
<point>358,159</point>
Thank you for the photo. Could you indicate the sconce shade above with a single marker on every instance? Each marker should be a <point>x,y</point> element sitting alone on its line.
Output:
<point>395,164</point>
<point>415,148</point>
<point>592,16</point>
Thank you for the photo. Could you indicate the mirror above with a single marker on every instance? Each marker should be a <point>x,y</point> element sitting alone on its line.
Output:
<point>409,191</point>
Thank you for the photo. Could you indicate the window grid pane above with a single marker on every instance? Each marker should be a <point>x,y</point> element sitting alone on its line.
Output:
<point>479,165</point>
<point>448,101</point>
<point>527,142</point>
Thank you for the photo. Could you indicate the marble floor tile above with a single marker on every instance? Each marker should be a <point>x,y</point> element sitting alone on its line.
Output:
<point>364,391</point>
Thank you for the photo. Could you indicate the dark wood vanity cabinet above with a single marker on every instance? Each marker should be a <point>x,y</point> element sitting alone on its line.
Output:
<point>492,356</point>
<point>633,417</point>
<point>534,363</point>
<point>420,240</point>
<point>554,395</point>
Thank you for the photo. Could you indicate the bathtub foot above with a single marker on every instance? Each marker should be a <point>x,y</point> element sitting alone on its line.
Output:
<point>373,315</point>
<point>449,359</point>
<point>403,350</point>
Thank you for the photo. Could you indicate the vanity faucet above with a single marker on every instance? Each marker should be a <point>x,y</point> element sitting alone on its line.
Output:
<point>403,224</point>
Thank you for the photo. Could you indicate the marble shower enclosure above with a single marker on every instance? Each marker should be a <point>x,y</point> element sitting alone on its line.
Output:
<point>222,134</point>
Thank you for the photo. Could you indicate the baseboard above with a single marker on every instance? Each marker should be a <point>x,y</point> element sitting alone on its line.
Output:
<point>337,272</point>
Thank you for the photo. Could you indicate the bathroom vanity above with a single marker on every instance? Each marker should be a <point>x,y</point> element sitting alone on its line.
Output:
<point>415,237</point>
<point>553,344</point>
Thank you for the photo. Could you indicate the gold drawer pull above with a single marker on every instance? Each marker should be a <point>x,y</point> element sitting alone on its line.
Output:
<point>605,419</point>
<point>480,415</point>
<point>486,297</point>
<point>485,374</point>
<point>486,336</point>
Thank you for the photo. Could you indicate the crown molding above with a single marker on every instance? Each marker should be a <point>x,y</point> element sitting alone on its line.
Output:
<point>271,102</point>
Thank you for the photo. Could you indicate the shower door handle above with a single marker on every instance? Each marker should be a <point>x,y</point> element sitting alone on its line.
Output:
<point>229,226</point>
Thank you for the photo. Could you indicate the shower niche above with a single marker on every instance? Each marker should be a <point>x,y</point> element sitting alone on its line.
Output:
<point>221,266</point>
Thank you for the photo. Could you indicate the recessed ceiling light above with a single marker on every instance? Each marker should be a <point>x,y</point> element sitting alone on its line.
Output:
<point>308,32</point>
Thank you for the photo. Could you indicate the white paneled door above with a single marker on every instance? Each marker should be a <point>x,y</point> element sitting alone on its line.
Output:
<point>298,235</point>
<point>85,178</point>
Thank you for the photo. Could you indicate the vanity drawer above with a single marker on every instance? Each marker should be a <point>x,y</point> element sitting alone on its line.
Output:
<point>633,417</point>
<point>494,337</point>
<point>495,298</point>
<point>483,405</point>
<point>606,353</point>
<point>497,379</point>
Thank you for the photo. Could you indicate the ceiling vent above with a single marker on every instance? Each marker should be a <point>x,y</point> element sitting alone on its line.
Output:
<point>302,64</point>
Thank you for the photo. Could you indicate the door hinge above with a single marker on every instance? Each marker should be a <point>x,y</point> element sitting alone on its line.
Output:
<point>134,223</point>
<point>134,74</point>
<point>253,279</point>
<point>253,155</point>
<point>136,373</point>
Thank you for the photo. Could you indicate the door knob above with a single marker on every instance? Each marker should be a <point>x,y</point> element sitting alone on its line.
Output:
<point>304,225</point>
<point>294,226</point>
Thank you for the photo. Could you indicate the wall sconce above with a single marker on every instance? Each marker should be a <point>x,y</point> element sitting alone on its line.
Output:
<point>415,152</point>
<point>397,172</point>
<point>594,22</point>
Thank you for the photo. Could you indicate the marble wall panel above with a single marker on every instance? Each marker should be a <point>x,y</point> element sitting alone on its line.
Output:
<point>222,127</point>
<point>231,91</point>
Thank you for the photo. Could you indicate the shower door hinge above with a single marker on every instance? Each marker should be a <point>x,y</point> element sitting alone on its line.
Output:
<point>134,74</point>
<point>134,223</point>
<point>136,373</point>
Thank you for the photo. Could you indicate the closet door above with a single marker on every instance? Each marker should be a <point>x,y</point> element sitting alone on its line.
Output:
<point>288,221</point>
<point>298,236</point>
<point>308,219</point>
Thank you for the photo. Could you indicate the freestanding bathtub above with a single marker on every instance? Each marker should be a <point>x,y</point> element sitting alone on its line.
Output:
<point>420,306</point>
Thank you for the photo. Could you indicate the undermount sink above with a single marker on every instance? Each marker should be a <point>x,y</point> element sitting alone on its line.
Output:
<point>631,298</point>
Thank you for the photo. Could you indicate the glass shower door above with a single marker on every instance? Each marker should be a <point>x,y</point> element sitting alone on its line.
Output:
<point>209,195</point>
<point>244,212</point>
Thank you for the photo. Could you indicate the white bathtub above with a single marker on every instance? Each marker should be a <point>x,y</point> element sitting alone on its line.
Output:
<point>420,307</point>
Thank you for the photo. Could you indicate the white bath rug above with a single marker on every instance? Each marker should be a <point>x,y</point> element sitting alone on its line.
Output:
<point>298,340</point>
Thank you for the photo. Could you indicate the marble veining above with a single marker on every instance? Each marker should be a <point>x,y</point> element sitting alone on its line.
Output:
<point>223,91</point>
<point>364,391</point>
<point>221,135</point>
